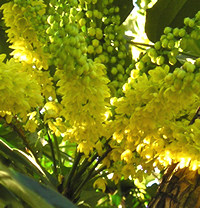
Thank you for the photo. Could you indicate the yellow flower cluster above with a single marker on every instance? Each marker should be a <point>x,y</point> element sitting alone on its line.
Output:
<point>22,35</point>
<point>45,80</point>
<point>100,183</point>
<point>51,117</point>
<point>32,122</point>
<point>84,104</point>
<point>152,121</point>
<point>58,127</point>
<point>19,91</point>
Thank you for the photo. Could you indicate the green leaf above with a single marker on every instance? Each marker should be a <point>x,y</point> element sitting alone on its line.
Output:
<point>191,46</point>
<point>125,8</point>
<point>136,204</point>
<point>7,198</point>
<point>4,46</point>
<point>116,199</point>
<point>168,13</point>
<point>3,2</point>
<point>22,161</point>
<point>151,190</point>
<point>91,197</point>
<point>31,192</point>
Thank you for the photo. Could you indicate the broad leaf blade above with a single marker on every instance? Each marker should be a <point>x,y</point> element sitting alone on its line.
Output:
<point>22,161</point>
<point>168,13</point>
<point>31,192</point>
<point>125,8</point>
<point>91,197</point>
<point>8,199</point>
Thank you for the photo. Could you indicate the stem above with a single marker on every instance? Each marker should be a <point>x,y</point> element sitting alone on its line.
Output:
<point>197,115</point>
<point>141,44</point>
<point>53,154</point>
<point>67,156</point>
<point>188,54</point>
<point>85,165</point>
<point>76,193</point>
<point>21,134</point>
<point>98,171</point>
<point>68,178</point>
<point>58,152</point>
<point>141,48</point>
<point>151,45</point>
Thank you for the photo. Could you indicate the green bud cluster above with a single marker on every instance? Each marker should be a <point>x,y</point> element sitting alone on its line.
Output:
<point>100,23</point>
<point>26,30</point>
<point>165,53</point>
<point>160,94</point>
<point>66,43</point>
<point>34,12</point>
<point>166,50</point>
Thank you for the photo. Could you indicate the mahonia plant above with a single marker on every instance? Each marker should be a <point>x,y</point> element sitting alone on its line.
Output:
<point>72,73</point>
<point>152,124</point>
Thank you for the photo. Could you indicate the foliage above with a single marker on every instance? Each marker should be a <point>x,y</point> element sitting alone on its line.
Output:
<point>168,13</point>
<point>79,117</point>
<point>20,191</point>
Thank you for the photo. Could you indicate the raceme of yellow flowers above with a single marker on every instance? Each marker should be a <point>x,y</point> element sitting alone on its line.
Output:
<point>19,91</point>
<point>84,105</point>
<point>153,120</point>
<point>150,125</point>
<point>22,33</point>
<point>80,81</point>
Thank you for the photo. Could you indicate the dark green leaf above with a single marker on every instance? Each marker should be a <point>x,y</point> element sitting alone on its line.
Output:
<point>116,199</point>
<point>191,46</point>
<point>126,186</point>
<point>136,204</point>
<point>151,190</point>
<point>125,8</point>
<point>4,130</point>
<point>91,197</point>
<point>31,192</point>
<point>168,13</point>
<point>4,46</point>
<point>14,140</point>
<point>84,205</point>
<point>22,161</point>
<point>129,200</point>
<point>7,198</point>
<point>3,2</point>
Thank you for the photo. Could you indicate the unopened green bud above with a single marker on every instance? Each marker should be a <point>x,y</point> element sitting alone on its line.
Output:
<point>95,43</point>
<point>114,70</point>
<point>160,60</point>
<point>167,30</point>
<point>182,32</point>
<point>176,31</point>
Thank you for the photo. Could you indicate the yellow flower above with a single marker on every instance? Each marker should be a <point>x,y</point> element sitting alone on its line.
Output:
<point>23,36</point>
<point>100,183</point>
<point>106,162</point>
<point>19,91</point>
<point>115,154</point>
<point>116,177</point>
<point>52,110</point>
<point>127,155</point>
<point>84,147</point>
<point>99,147</point>
<point>84,100</point>
<point>32,122</point>
<point>128,170</point>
